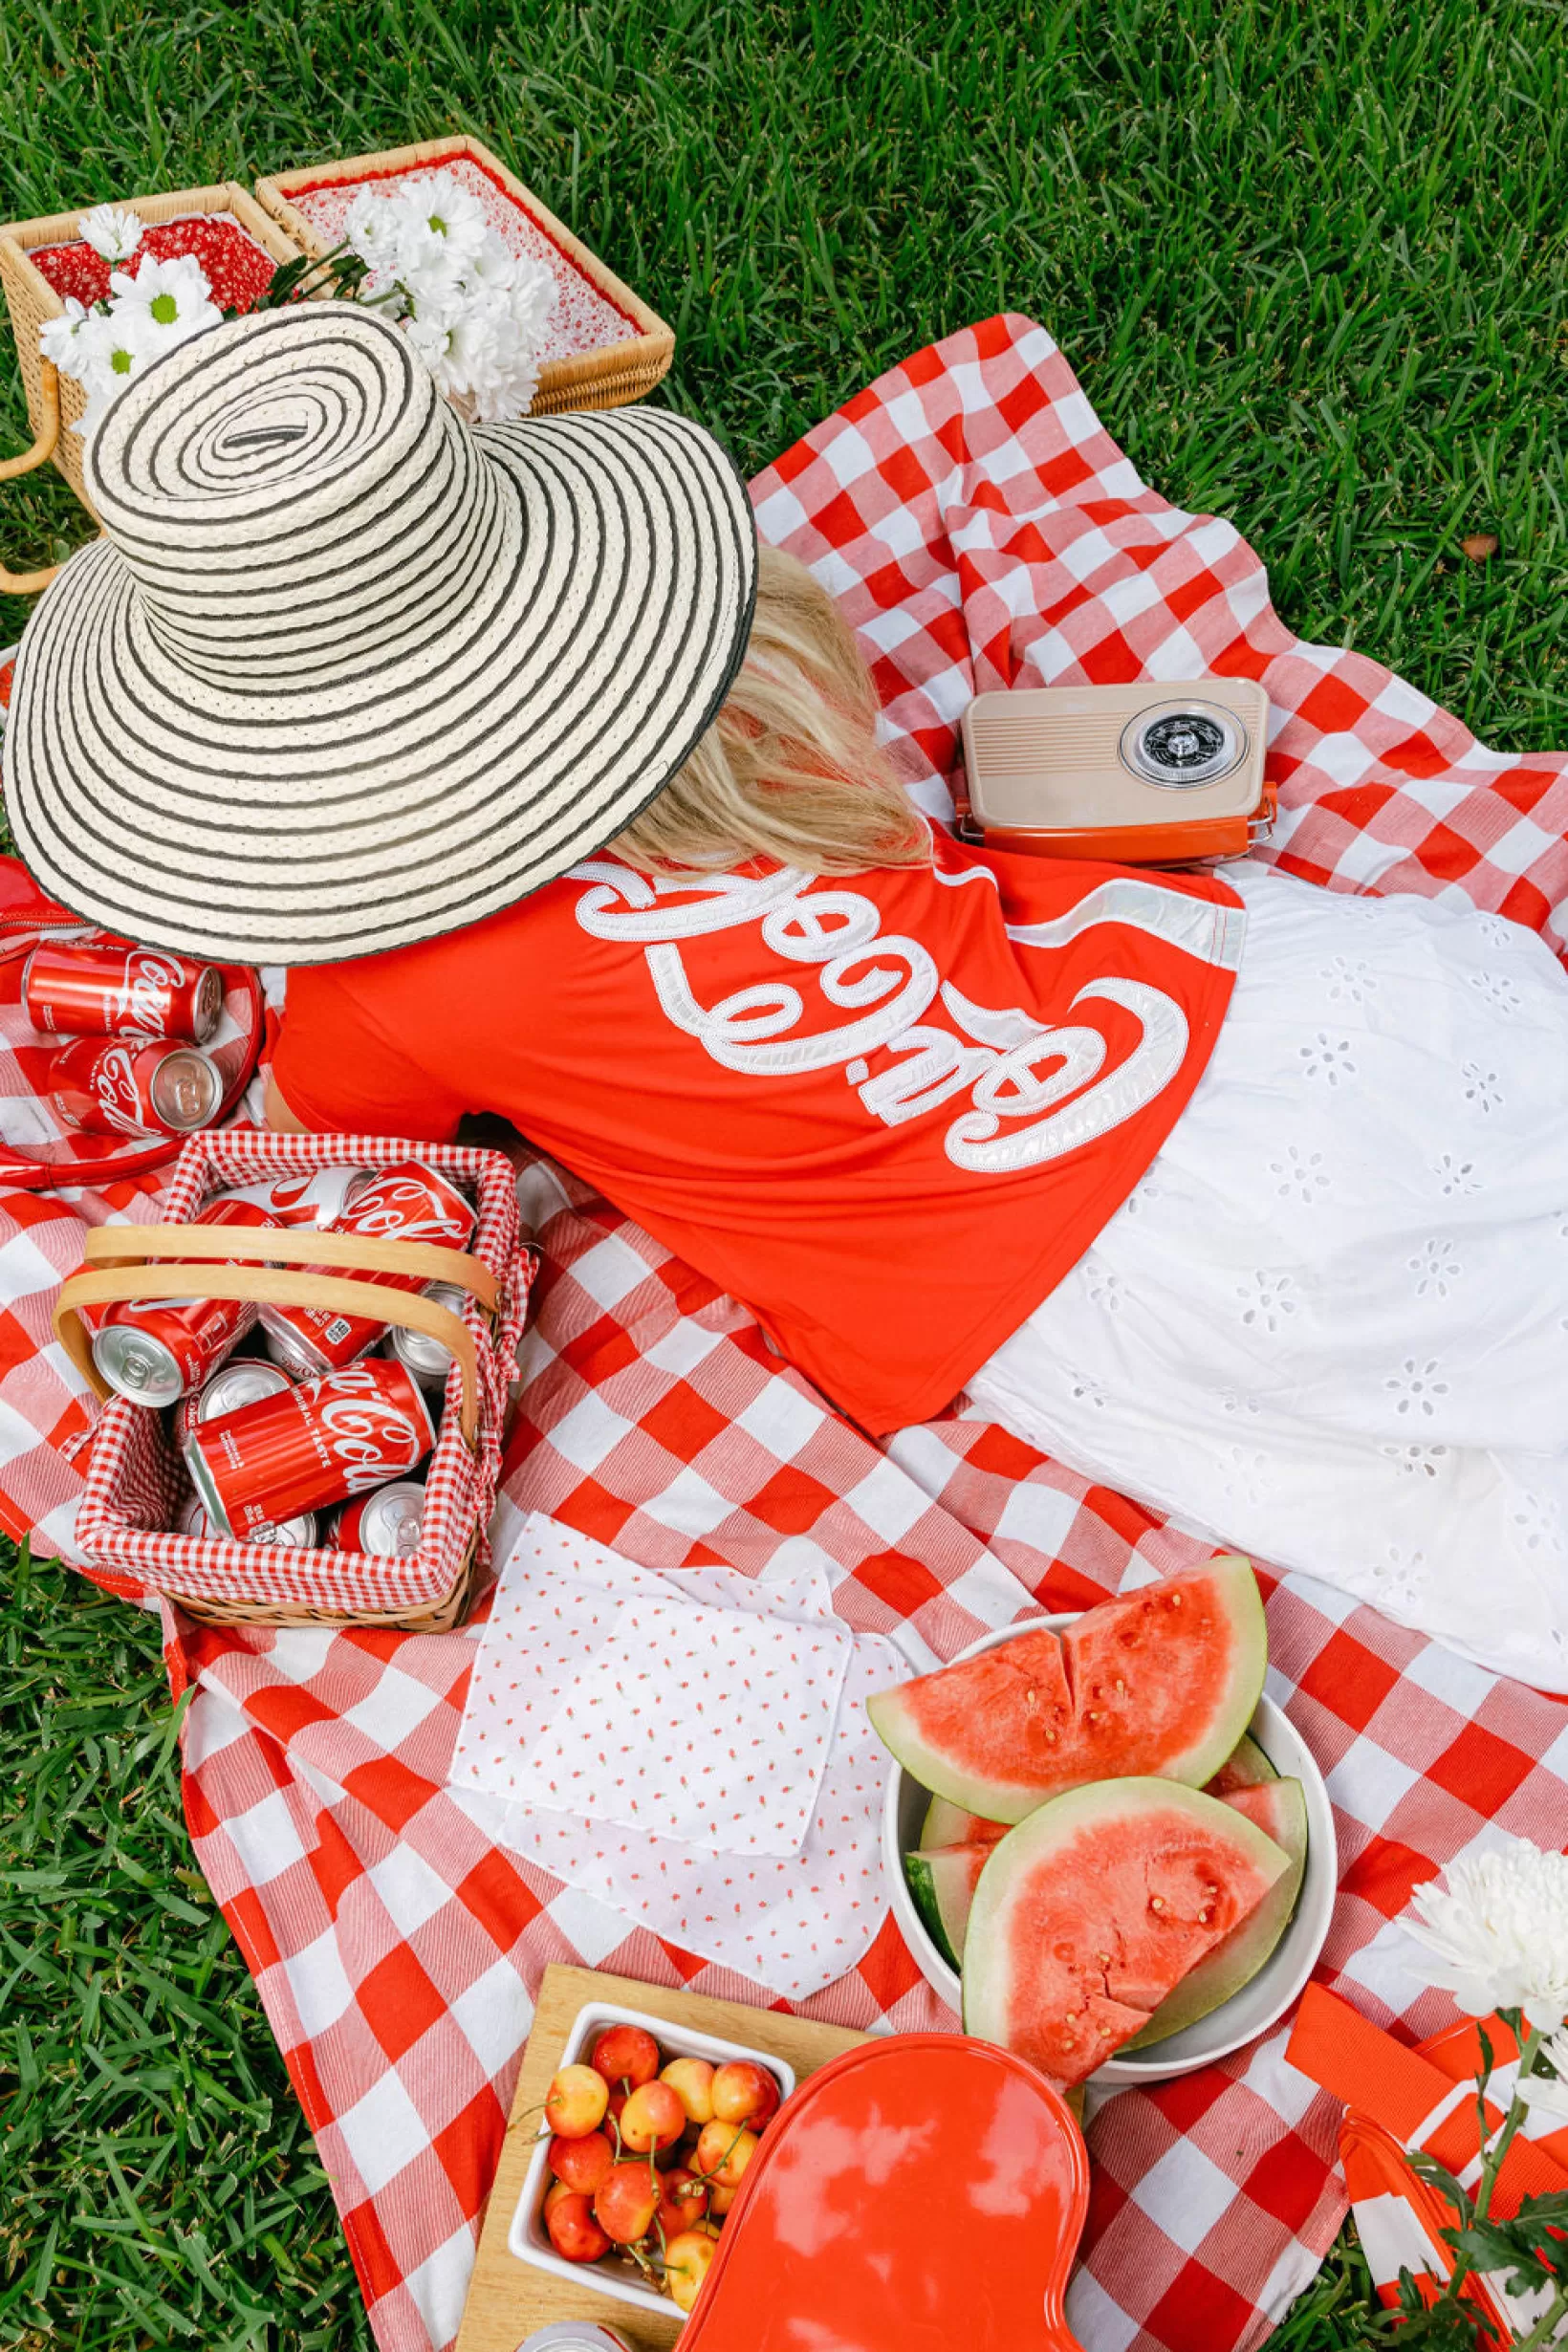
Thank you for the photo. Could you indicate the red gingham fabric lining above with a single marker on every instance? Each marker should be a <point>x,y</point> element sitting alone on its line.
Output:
<point>134,1484</point>
<point>981,529</point>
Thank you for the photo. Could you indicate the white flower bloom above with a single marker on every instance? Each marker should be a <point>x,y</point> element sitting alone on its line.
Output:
<point>166,300</point>
<point>371,229</point>
<point>111,350</point>
<point>1541,2095</point>
<point>1498,1932</point>
<point>113,233</point>
<point>60,340</point>
<point>441,226</point>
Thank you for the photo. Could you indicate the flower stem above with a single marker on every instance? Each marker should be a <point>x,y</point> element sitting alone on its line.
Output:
<point>1492,2163</point>
<point>1546,2326</point>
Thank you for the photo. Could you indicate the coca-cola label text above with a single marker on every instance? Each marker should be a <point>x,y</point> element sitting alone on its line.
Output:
<point>334,1437</point>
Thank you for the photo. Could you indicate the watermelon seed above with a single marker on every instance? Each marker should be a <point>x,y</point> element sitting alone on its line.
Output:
<point>1204,1917</point>
<point>1157,1903</point>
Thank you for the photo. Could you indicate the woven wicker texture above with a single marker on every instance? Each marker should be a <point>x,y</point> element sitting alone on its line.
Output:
<point>31,299</point>
<point>608,378</point>
<point>135,1483</point>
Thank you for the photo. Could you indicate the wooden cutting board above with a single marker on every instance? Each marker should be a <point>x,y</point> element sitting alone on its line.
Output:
<point>507,2298</point>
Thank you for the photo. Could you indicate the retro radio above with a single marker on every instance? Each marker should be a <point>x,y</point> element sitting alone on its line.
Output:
<point>1136,775</point>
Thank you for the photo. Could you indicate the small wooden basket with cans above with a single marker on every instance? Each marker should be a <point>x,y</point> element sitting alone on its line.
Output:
<point>308,1430</point>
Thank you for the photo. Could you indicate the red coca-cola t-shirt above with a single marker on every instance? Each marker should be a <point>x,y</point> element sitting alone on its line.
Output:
<point>889,1112</point>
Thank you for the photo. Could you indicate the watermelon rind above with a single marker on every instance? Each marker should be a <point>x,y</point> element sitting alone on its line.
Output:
<point>984,1756</point>
<point>949,1825</point>
<point>1034,1652</point>
<point>1013,1868</point>
<point>1280,1809</point>
<point>1246,1766</point>
<point>942,1883</point>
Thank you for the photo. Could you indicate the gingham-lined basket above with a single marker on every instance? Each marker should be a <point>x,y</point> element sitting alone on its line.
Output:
<point>137,1483</point>
<point>608,377</point>
<point>54,403</point>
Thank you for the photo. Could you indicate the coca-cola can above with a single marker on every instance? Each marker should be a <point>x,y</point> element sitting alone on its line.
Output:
<point>428,1359</point>
<point>239,1383</point>
<point>316,1197</point>
<point>386,1522</point>
<point>354,1429</point>
<point>154,1350</point>
<point>103,991</point>
<point>406,1202</point>
<point>297,1534</point>
<point>119,1087</point>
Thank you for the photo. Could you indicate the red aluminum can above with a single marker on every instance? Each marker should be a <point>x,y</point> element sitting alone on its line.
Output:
<point>99,991</point>
<point>315,1197</point>
<point>300,1535</point>
<point>154,1350</point>
<point>117,1087</point>
<point>334,1437</point>
<point>406,1202</point>
<point>240,1382</point>
<point>387,1521</point>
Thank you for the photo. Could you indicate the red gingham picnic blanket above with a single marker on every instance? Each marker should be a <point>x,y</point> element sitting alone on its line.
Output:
<point>981,529</point>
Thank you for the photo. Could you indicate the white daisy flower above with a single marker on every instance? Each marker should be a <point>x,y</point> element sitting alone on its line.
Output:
<point>167,300</point>
<point>110,231</point>
<point>1498,1932</point>
<point>60,340</point>
<point>440,230</point>
<point>111,350</point>
<point>371,229</point>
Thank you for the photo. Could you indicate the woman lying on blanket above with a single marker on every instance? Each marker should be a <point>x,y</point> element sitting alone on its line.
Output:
<point>1248,1199</point>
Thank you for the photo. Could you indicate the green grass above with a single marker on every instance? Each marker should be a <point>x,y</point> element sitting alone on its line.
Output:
<point>1309,263</point>
<point>161,2187</point>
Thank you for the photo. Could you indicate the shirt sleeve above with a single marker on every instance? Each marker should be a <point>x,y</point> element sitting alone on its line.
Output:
<point>339,1071</point>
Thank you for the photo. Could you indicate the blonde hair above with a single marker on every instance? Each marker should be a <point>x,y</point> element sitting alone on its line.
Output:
<point>791,768</point>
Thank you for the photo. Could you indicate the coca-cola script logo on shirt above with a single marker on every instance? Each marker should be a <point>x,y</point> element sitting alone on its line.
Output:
<point>145,995</point>
<point>1034,1092</point>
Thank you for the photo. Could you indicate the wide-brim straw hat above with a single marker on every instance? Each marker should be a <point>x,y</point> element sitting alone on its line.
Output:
<point>347,673</point>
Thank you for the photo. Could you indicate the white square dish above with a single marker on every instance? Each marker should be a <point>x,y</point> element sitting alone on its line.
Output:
<point>527,2236</point>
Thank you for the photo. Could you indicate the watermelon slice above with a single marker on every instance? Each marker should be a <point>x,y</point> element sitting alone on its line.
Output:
<point>1280,1808</point>
<point>1244,1768</point>
<point>1162,1681</point>
<point>949,1825</point>
<point>1095,1907</point>
<point>943,1882</point>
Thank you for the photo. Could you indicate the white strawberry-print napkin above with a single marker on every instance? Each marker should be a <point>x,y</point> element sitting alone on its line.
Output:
<point>696,1722</point>
<point>658,1739</point>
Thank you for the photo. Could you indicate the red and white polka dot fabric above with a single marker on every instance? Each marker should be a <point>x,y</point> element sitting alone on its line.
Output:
<point>981,528</point>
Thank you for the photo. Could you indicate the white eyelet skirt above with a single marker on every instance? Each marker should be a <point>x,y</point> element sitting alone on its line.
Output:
<point>1331,1325</point>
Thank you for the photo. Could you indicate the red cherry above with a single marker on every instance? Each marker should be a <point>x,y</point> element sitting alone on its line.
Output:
<point>652,2117</point>
<point>626,2204</point>
<point>626,2056</point>
<point>684,2202</point>
<point>582,2163</point>
<point>573,2231</point>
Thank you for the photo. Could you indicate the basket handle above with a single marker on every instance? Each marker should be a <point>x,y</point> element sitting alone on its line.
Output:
<point>29,583</point>
<point>279,1286</point>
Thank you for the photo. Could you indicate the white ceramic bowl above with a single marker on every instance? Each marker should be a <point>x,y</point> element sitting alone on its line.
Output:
<point>527,2237</point>
<point>1249,2012</point>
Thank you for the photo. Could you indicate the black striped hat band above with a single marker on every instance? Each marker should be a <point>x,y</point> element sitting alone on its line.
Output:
<point>346,672</point>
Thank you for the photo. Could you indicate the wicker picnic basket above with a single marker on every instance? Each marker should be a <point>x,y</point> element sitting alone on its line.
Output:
<point>607,378</point>
<point>135,1482</point>
<point>53,406</point>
